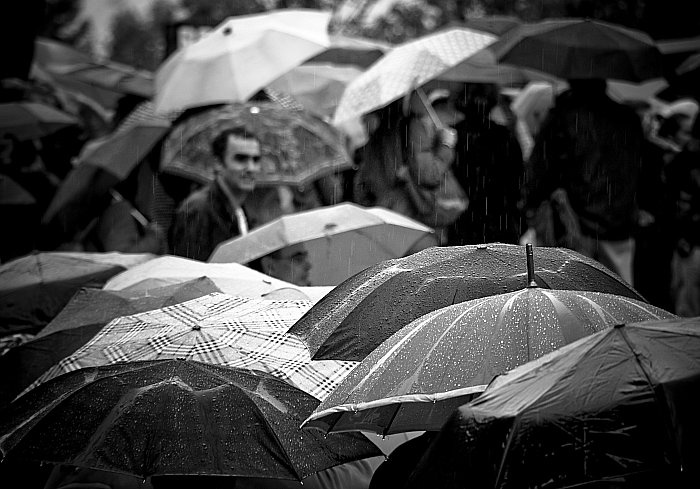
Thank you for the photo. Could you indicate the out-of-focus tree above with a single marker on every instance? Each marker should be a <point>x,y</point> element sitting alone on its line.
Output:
<point>212,12</point>
<point>62,21</point>
<point>407,19</point>
<point>139,41</point>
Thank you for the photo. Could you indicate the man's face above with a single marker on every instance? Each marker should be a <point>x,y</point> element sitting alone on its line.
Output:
<point>290,264</point>
<point>241,163</point>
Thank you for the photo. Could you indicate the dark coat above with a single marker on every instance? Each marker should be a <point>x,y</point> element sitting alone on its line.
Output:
<point>202,221</point>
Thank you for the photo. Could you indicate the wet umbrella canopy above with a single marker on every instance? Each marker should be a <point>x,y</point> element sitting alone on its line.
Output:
<point>174,417</point>
<point>84,316</point>
<point>581,49</point>
<point>366,309</point>
<point>456,351</point>
<point>622,401</point>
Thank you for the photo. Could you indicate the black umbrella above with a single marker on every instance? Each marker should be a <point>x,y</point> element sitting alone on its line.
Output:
<point>360,313</point>
<point>619,404</point>
<point>171,417</point>
<point>82,318</point>
<point>581,49</point>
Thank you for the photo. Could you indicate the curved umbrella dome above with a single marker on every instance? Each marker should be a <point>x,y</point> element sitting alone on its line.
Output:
<point>449,354</point>
<point>360,313</point>
<point>174,417</point>
<point>581,49</point>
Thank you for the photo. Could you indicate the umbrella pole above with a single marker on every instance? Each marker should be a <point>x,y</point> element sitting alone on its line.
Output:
<point>530,266</point>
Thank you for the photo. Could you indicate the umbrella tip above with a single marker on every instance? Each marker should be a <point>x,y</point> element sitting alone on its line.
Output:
<point>530,266</point>
<point>619,325</point>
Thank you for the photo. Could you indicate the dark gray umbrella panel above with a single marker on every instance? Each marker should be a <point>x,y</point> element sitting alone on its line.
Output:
<point>360,313</point>
<point>581,49</point>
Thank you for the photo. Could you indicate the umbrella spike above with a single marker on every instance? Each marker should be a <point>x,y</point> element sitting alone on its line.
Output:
<point>530,266</point>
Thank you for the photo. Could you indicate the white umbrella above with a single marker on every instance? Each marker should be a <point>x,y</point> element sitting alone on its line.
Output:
<point>231,278</point>
<point>239,57</point>
<point>341,240</point>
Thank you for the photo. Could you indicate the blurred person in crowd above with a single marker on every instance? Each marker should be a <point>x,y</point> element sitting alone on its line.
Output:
<point>489,166</point>
<point>531,106</point>
<point>216,212</point>
<point>404,153</point>
<point>591,148</point>
<point>21,161</point>
<point>668,131</point>
<point>290,264</point>
<point>683,174</point>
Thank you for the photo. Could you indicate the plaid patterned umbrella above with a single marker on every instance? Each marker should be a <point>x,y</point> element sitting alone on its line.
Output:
<point>407,67</point>
<point>218,329</point>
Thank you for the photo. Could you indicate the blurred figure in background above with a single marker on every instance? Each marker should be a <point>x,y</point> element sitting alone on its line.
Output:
<point>668,131</point>
<point>591,147</point>
<point>684,181</point>
<point>290,264</point>
<point>531,106</point>
<point>489,166</point>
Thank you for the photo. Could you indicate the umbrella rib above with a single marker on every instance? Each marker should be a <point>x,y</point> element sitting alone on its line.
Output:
<point>58,400</point>
<point>660,398</point>
<point>506,449</point>
<point>280,443</point>
<point>391,420</point>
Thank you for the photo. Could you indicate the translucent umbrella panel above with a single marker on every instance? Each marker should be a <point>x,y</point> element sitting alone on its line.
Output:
<point>297,147</point>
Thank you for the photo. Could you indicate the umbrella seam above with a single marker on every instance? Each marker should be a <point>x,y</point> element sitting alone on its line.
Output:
<point>659,397</point>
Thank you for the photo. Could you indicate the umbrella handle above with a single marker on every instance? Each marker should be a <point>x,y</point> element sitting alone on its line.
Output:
<point>530,266</point>
<point>429,108</point>
<point>135,213</point>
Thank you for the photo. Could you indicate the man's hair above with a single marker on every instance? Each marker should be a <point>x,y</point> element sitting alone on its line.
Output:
<point>218,145</point>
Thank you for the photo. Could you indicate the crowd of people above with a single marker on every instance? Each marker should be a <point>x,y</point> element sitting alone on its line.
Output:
<point>553,163</point>
<point>614,182</point>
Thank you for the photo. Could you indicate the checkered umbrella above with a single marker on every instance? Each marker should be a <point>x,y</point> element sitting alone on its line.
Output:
<point>407,67</point>
<point>218,329</point>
